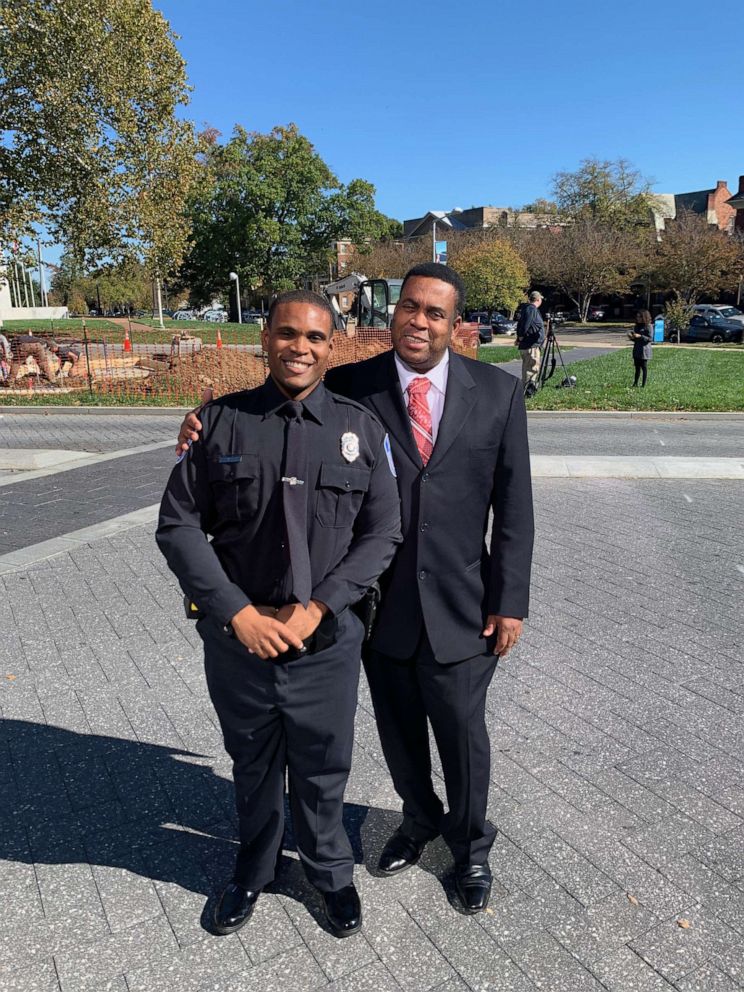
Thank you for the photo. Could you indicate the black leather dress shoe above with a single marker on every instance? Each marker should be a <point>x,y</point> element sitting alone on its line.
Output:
<point>400,852</point>
<point>343,911</point>
<point>473,886</point>
<point>234,908</point>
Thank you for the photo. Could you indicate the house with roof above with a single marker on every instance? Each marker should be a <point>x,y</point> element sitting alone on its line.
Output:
<point>475,218</point>
<point>713,204</point>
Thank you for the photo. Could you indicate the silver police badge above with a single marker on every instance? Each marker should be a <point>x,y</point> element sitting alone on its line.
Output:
<point>350,446</point>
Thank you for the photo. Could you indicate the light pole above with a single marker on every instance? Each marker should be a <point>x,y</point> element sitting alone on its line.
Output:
<point>234,278</point>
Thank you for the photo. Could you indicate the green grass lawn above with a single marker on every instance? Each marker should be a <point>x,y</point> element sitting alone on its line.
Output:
<point>705,379</point>
<point>100,329</point>
<point>63,328</point>
<point>499,354</point>
<point>232,333</point>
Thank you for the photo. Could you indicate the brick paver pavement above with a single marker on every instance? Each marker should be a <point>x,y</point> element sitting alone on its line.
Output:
<point>617,780</point>
<point>35,510</point>
<point>85,432</point>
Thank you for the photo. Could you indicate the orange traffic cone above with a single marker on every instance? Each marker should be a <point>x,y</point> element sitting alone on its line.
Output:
<point>219,338</point>
<point>127,341</point>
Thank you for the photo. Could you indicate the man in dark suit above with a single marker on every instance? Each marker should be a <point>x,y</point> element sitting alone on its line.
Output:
<point>450,604</point>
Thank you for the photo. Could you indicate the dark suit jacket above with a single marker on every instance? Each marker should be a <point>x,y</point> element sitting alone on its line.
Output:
<point>443,576</point>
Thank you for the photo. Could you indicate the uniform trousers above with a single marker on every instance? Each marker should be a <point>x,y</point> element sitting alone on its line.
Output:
<point>452,698</point>
<point>294,716</point>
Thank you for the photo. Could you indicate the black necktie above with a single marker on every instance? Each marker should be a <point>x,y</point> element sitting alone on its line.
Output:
<point>295,485</point>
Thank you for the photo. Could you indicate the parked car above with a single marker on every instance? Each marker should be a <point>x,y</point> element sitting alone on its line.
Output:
<point>502,324</point>
<point>215,316</point>
<point>596,313</point>
<point>496,323</point>
<point>252,317</point>
<point>184,315</point>
<point>720,310</point>
<point>713,328</point>
<point>485,331</point>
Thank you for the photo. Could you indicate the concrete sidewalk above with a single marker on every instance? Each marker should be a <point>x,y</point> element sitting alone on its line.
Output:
<point>617,757</point>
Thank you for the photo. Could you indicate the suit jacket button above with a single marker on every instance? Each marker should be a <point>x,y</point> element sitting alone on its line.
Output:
<point>422,574</point>
<point>424,526</point>
<point>425,477</point>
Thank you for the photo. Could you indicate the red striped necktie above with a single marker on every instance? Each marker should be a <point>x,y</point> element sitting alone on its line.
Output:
<point>420,414</point>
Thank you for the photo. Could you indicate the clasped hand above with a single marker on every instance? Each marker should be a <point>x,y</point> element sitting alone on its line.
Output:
<point>268,632</point>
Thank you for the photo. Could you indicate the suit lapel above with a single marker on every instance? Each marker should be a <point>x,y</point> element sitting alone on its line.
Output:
<point>459,400</point>
<point>391,409</point>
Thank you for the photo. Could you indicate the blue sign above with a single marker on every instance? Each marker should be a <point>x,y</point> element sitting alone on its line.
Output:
<point>440,252</point>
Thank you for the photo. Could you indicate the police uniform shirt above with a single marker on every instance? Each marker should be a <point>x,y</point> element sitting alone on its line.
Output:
<point>230,486</point>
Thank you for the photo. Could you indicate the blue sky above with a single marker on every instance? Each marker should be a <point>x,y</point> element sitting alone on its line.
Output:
<point>474,103</point>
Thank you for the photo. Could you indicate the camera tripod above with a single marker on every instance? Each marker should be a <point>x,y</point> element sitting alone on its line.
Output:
<point>548,363</point>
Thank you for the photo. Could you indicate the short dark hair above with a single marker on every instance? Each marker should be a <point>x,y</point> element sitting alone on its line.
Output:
<point>302,296</point>
<point>435,270</point>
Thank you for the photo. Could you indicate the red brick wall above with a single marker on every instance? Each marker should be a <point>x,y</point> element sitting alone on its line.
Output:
<point>717,202</point>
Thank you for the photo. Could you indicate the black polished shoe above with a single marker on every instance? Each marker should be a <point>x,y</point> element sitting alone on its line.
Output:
<point>234,908</point>
<point>343,911</point>
<point>473,886</point>
<point>400,852</point>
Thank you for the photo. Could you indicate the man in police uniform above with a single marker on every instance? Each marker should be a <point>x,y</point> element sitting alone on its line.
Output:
<point>296,488</point>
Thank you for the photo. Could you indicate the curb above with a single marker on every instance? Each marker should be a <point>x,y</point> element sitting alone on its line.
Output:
<point>76,539</point>
<point>181,411</point>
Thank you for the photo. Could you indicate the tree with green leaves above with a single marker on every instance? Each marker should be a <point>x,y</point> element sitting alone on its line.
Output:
<point>92,151</point>
<point>693,259</point>
<point>610,193</point>
<point>269,208</point>
<point>495,276</point>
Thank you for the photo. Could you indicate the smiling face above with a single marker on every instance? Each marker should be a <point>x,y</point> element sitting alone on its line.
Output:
<point>423,323</point>
<point>298,344</point>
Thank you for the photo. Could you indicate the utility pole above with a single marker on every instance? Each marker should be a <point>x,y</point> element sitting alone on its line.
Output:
<point>160,301</point>
<point>42,287</point>
<point>234,278</point>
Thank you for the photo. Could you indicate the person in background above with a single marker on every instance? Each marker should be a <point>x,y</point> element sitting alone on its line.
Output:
<point>4,355</point>
<point>642,336</point>
<point>68,352</point>
<point>530,337</point>
<point>23,346</point>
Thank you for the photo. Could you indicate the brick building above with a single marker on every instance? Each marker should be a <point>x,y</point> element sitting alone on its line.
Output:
<point>713,204</point>
<point>736,202</point>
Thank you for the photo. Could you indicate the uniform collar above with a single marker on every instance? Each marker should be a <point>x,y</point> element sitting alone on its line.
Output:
<point>274,399</point>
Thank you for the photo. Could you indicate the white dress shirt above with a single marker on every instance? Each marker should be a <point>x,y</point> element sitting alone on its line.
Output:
<point>435,397</point>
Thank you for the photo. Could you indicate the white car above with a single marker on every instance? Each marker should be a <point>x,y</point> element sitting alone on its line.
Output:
<point>184,315</point>
<point>720,310</point>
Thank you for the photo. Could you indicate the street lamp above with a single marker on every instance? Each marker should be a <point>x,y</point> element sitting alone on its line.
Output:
<point>234,278</point>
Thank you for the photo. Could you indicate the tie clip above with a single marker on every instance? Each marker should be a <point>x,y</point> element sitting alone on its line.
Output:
<point>293,480</point>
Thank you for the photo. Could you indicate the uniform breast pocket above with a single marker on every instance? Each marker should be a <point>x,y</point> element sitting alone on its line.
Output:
<point>235,485</point>
<point>341,489</point>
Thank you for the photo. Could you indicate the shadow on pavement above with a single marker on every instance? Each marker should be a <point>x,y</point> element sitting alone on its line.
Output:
<point>155,811</point>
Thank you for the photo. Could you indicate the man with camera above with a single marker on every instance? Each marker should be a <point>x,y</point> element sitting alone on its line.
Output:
<point>531,337</point>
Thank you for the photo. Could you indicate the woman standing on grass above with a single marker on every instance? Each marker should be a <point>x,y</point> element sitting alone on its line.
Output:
<point>641,336</point>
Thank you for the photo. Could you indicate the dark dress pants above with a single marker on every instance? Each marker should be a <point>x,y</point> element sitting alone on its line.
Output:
<point>405,694</point>
<point>296,716</point>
